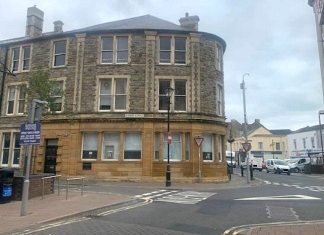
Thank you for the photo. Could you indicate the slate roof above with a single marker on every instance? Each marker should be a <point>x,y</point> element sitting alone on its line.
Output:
<point>141,22</point>
<point>145,22</point>
<point>281,132</point>
<point>309,128</point>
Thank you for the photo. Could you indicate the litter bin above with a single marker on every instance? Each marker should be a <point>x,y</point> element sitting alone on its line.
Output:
<point>6,184</point>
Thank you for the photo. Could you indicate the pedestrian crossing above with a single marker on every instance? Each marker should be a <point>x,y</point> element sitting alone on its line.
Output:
<point>176,196</point>
<point>311,188</point>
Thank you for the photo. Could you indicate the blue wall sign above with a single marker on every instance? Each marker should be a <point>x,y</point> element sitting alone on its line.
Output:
<point>30,134</point>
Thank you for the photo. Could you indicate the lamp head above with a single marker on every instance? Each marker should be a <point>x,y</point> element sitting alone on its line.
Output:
<point>168,91</point>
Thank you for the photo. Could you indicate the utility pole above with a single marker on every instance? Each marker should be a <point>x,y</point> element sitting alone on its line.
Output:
<point>245,130</point>
<point>272,150</point>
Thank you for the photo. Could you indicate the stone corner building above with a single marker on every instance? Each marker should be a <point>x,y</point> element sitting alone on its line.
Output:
<point>114,77</point>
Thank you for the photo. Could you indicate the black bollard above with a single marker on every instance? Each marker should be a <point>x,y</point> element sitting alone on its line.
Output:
<point>251,172</point>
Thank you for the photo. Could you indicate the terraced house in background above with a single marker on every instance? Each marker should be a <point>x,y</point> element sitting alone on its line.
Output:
<point>114,77</point>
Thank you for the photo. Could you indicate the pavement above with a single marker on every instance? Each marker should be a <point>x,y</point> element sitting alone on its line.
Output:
<point>56,207</point>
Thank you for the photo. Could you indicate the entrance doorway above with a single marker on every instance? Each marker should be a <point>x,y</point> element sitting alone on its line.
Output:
<point>50,156</point>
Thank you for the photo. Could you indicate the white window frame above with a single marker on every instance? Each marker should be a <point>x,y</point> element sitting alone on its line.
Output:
<point>172,50</point>
<point>135,142</point>
<point>113,94</point>
<point>11,149</point>
<point>16,99</point>
<point>115,50</point>
<point>93,144</point>
<point>220,99</point>
<point>208,147</point>
<point>304,143</point>
<point>59,98</point>
<point>313,142</point>
<point>60,54</point>
<point>162,97</point>
<point>260,145</point>
<point>112,145</point>
<point>220,148</point>
<point>172,149</point>
<point>277,146</point>
<point>218,57</point>
<point>20,61</point>
<point>156,146</point>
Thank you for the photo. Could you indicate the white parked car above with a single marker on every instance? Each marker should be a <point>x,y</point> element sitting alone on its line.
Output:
<point>277,166</point>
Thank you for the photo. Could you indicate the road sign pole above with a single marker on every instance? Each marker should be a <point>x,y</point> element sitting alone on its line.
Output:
<point>26,180</point>
<point>199,166</point>
<point>199,141</point>
<point>25,192</point>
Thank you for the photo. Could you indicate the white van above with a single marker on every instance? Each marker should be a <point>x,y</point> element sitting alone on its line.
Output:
<point>277,166</point>
<point>257,163</point>
<point>230,158</point>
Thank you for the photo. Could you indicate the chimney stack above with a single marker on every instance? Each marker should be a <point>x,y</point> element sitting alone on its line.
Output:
<point>58,26</point>
<point>34,24</point>
<point>189,22</point>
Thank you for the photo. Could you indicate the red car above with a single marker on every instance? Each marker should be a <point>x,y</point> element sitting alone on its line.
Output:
<point>264,165</point>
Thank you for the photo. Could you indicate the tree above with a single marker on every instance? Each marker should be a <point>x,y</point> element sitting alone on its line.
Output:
<point>43,88</point>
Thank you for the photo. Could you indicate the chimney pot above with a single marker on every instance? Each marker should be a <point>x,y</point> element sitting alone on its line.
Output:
<point>189,22</point>
<point>58,26</point>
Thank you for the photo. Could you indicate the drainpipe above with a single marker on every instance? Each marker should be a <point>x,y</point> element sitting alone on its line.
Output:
<point>3,78</point>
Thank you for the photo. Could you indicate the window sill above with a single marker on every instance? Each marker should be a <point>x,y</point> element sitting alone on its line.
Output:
<point>60,66</point>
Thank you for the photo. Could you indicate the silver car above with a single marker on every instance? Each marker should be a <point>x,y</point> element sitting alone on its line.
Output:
<point>297,164</point>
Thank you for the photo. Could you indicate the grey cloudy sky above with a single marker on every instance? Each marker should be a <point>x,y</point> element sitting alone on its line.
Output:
<point>272,40</point>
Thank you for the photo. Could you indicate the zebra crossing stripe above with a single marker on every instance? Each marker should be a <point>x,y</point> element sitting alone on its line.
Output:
<point>311,188</point>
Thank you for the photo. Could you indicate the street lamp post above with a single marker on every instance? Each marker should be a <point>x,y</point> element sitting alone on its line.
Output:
<point>320,127</point>
<point>168,93</point>
<point>245,129</point>
<point>231,140</point>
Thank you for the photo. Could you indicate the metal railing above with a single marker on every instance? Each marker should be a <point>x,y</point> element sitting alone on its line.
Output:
<point>49,177</point>
<point>67,185</point>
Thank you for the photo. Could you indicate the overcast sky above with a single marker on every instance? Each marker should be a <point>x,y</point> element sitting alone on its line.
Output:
<point>274,41</point>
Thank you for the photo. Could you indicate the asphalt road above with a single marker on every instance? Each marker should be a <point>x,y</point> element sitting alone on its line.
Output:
<point>280,198</point>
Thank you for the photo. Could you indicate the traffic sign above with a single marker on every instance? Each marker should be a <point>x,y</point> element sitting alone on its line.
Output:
<point>30,133</point>
<point>246,146</point>
<point>169,137</point>
<point>199,141</point>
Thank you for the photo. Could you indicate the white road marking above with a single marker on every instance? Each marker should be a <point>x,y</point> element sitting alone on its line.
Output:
<point>283,197</point>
